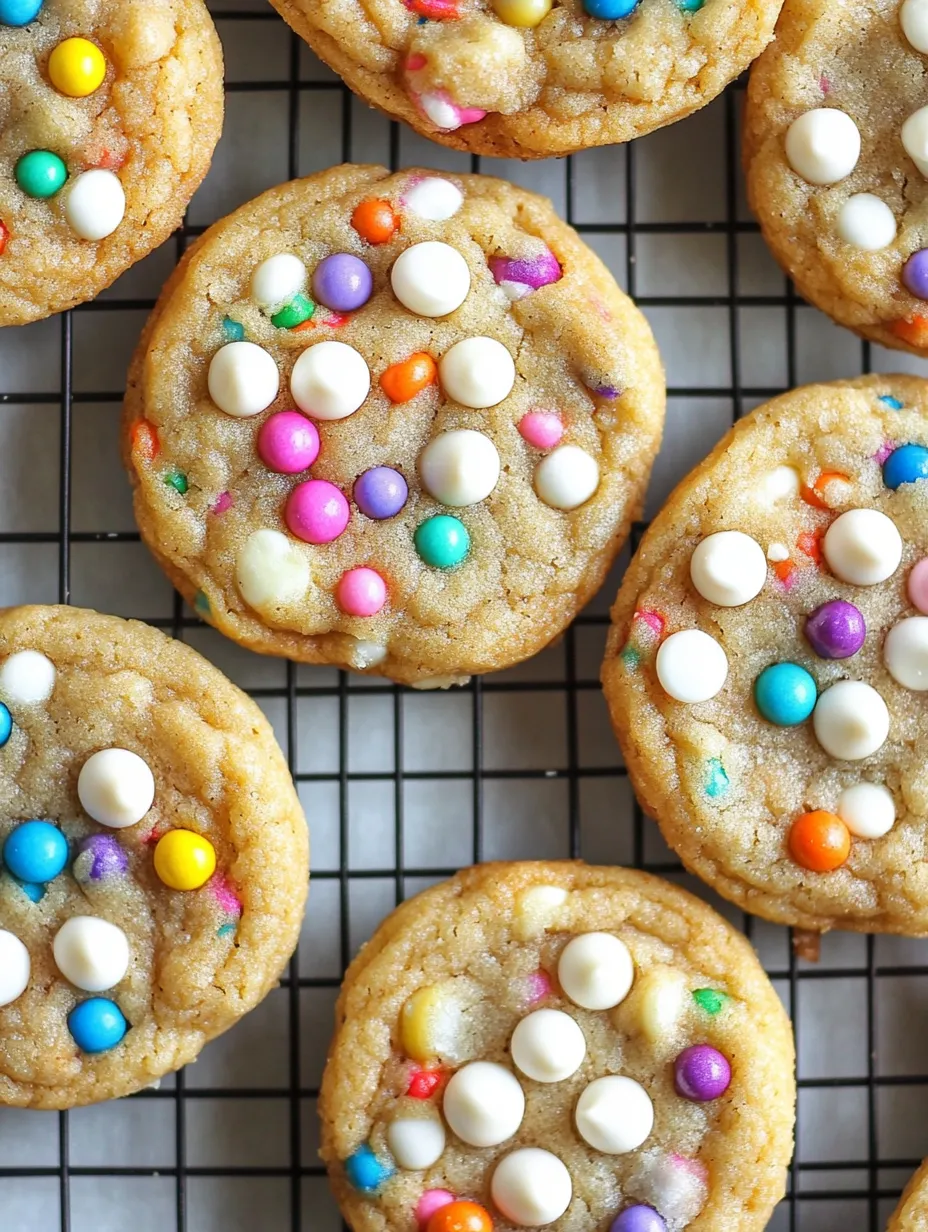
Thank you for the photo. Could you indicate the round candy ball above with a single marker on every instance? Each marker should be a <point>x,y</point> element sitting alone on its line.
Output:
<point>522,13</point>
<point>19,12</point>
<point>431,1201</point>
<point>361,592</point>
<point>442,541</point>
<point>819,841</point>
<point>97,1025</point>
<point>917,585</point>
<point>36,851</point>
<point>381,492</point>
<point>76,67</point>
<point>460,1216</point>
<point>785,694</point>
<point>365,1171</point>
<point>915,274</point>
<point>41,174</point>
<point>288,443</point>
<point>6,724</point>
<point>184,860</point>
<point>316,511</point>
<point>701,1073</point>
<point>836,630</point>
<point>609,10</point>
<point>375,221</point>
<point>908,463</point>
<point>342,282</point>
<point>105,857</point>
<point>638,1218</point>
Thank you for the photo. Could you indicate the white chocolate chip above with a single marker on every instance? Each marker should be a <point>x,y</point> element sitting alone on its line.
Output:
<point>913,17</point>
<point>659,998</point>
<point>243,379</point>
<point>483,1104</point>
<point>434,198</point>
<point>850,720</point>
<point>27,677</point>
<point>116,788</point>
<point>567,477</point>
<point>777,552</point>
<point>271,571</point>
<point>905,653</point>
<point>538,908</point>
<point>614,1115</point>
<point>862,546</point>
<point>915,139</point>
<point>431,279</point>
<point>780,484</point>
<point>416,1143</point>
<point>548,1046</point>
<point>91,953</point>
<point>866,222</point>
<point>867,809</point>
<point>365,655</point>
<point>15,967</point>
<point>728,568</point>
<point>477,372</point>
<point>95,204</point>
<point>441,111</point>
<point>531,1187</point>
<point>330,380</point>
<point>596,970</point>
<point>277,280</point>
<point>823,145</point>
<point>691,666</point>
<point>460,467</point>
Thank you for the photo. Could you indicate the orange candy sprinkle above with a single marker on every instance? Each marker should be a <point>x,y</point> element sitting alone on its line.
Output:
<point>810,545</point>
<point>819,841</point>
<point>816,494</point>
<point>145,440</point>
<point>460,1217</point>
<point>401,382</point>
<point>375,221</point>
<point>914,332</point>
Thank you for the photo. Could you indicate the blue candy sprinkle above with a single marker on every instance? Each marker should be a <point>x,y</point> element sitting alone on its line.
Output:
<point>716,779</point>
<point>785,694</point>
<point>19,12</point>
<point>888,400</point>
<point>35,893</point>
<point>201,603</point>
<point>234,331</point>
<point>365,1171</point>
<point>36,851</point>
<point>907,464</point>
<point>690,6</point>
<point>97,1025</point>
<point>609,10</point>
<point>6,724</point>
<point>225,929</point>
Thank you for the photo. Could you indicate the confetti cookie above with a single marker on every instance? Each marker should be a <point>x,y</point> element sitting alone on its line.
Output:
<point>557,1045</point>
<point>153,862</point>
<point>111,111</point>
<point>533,78</point>
<point>836,151</point>
<point>768,656</point>
<point>911,1215</point>
<point>399,423</point>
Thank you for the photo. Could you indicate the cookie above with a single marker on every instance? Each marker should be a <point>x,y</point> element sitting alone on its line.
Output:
<point>528,78</point>
<point>911,1215</point>
<point>111,111</point>
<point>153,865</point>
<point>769,653</point>
<point>398,423</point>
<point>836,153</point>
<point>561,1045</point>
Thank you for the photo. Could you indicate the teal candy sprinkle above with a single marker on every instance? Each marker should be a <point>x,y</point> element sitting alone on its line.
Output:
<point>178,481</point>
<point>35,893</point>
<point>690,6</point>
<point>893,403</point>
<point>709,999</point>
<point>201,603</point>
<point>631,657</point>
<point>365,1171</point>
<point>716,780</point>
<point>233,330</point>
<point>225,930</point>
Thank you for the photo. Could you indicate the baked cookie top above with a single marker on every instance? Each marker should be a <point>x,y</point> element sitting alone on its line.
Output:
<point>836,153</point>
<point>911,1215</point>
<point>153,866</point>
<point>399,423</point>
<point>557,1045</point>
<point>111,110</point>
<point>769,653</point>
<point>532,78</point>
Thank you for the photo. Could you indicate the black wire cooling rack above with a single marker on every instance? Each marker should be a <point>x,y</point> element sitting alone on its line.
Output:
<point>832,1185</point>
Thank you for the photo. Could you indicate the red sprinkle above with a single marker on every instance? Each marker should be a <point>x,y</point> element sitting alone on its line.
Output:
<point>145,440</point>
<point>786,573</point>
<point>415,62</point>
<point>423,1083</point>
<point>438,10</point>
<point>4,235</point>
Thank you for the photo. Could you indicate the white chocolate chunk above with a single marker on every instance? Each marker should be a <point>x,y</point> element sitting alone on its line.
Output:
<point>416,1143</point>
<point>243,379</point>
<point>431,279</point>
<point>460,467</point>
<point>850,720</point>
<point>277,280</point>
<point>866,222</point>
<point>15,967</point>
<point>477,372</point>
<point>863,547</point>
<point>567,477</point>
<point>823,145</point>
<point>271,571</point>
<point>867,809</point>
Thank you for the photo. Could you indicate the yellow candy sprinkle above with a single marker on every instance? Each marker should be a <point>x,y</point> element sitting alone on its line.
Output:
<point>77,67</point>
<point>184,860</point>
<point>419,1022</point>
<point>525,13</point>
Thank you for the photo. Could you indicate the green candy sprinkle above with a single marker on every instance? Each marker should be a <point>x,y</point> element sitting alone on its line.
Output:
<point>299,309</point>
<point>631,657</point>
<point>716,779</point>
<point>41,174</point>
<point>709,999</point>
<point>233,331</point>
<point>201,603</point>
<point>178,481</point>
<point>442,541</point>
<point>690,6</point>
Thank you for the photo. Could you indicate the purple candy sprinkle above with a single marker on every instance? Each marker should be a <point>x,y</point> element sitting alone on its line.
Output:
<point>534,272</point>
<point>836,630</point>
<point>606,391</point>
<point>701,1073</point>
<point>915,274</point>
<point>638,1218</point>
<point>107,858</point>
<point>342,282</point>
<point>381,492</point>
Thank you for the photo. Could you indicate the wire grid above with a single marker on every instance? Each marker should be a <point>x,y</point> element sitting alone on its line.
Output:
<point>837,1181</point>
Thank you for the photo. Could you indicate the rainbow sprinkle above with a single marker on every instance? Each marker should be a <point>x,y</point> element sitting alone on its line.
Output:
<point>885,449</point>
<point>647,629</point>
<point>226,897</point>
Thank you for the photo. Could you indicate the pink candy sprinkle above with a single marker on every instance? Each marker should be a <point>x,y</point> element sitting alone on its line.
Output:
<point>533,272</point>
<point>654,620</point>
<point>440,108</point>
<point>226,897</point>
<point>917,585</point>
<point>415,62</point>
<point>695,1167</point>
<point>222,502</point>
<point>824,84</point>
<point>542,429</point>
<point>288,443</point>
<point>361,592</point>
<point>883,452</point>
<point>316,511</point>
<point>430,1202</point>
<point>539,985</point>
